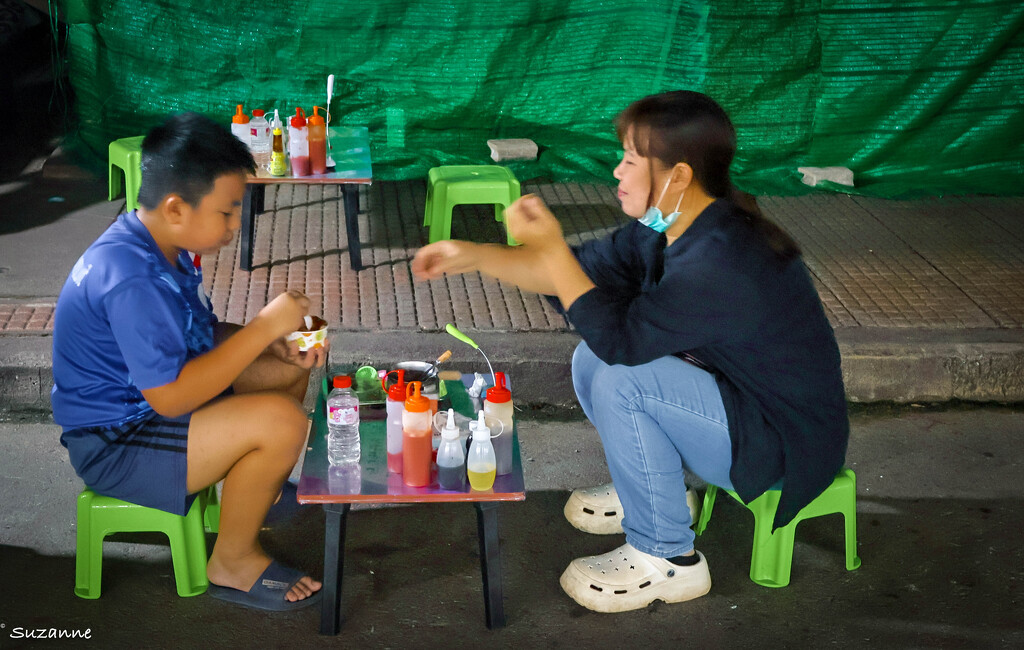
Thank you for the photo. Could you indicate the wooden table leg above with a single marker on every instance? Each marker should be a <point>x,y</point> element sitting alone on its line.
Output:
<point>334,566</point>
<point>250,201</point>
<point>490,562</point>
<point>350,195</point>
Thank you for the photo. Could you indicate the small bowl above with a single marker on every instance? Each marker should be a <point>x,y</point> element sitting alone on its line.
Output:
<point>312,338</point>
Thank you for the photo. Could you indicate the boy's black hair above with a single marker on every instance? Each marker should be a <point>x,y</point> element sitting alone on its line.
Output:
<point>185,155</point>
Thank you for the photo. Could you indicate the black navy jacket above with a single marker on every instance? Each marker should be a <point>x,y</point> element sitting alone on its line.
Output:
<point>721,295</point>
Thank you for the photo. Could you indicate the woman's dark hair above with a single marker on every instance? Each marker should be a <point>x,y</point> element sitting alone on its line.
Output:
<point>690,127</point>
<point>185,155</point>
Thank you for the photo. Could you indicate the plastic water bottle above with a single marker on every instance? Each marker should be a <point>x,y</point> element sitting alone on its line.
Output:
<point>480,465</point>
<point>259,129</point>
<point>451,457</point>
<point>342,423</point>
<point>498,406</point>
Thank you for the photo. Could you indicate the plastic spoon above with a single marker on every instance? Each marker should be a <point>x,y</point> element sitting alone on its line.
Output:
<point>451,329</point>
<point>330,94</point>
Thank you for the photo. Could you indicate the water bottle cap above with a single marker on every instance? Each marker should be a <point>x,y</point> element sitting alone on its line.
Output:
<point>499,394</point>
<point>342,381</point>
<point>258,112</point>
<point>315,119</point>
<point>414,402</point>
<point>239,117</point>
<point>299,120</point>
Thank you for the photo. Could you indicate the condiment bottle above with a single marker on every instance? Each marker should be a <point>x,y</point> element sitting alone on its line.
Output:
<point>240,126</point>
<point>278,163</point>
<point>395,405</point>
<point>298,143</point>
<point>480,464</point>
<point>416,435</point>
<point>498,406</point>
<point>451,457</point>
<point>317,142</point>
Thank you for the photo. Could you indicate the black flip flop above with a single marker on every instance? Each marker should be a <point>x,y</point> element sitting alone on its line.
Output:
<point>268,592</point>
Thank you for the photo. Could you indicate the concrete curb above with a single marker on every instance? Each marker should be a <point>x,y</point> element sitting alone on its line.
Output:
<point>900,366</point>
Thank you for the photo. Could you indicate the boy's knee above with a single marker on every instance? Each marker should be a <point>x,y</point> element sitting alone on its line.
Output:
<point>287,418</point>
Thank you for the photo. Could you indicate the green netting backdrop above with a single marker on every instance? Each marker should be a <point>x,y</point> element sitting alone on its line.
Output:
<point>916,97</point>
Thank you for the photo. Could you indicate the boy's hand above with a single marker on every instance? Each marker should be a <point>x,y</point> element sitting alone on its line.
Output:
<point>445,256</point>
<point>532,224</point>
<point>284,313</point>
<point>288,351</point>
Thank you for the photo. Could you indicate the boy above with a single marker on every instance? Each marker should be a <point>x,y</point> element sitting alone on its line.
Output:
<point>158,400</point>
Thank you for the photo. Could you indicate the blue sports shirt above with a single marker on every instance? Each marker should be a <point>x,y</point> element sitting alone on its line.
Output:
<point>126,320</point>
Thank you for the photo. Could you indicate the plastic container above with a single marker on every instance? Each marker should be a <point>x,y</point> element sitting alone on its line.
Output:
<point>480,463</point>
<point>298,143</point>
<point>342,423</point>
<point>451,457</point>
<point>317,142</point>
<point>416,434</point>
<point>498,405</point>
<point>259,131</point>
<point>395,406</point>
<point>278,162</point>
<point>240,127</point>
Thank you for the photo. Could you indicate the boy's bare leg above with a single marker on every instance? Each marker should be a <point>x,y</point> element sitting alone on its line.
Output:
<point>252,441</point>
<point>268,372</point>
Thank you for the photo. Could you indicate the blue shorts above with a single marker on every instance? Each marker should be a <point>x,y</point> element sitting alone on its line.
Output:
<point>143,462</point>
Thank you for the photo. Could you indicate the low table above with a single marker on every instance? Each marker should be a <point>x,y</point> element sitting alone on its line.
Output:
<point>337,488</point>
<point>350,149</point>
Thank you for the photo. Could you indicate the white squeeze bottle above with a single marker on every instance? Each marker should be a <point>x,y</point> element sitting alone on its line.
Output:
<point>498,406</point>
<point>480,464</point>
<point>298,143</point>
<point>394,405</point>
<point>240,126</point>
<point>451,457</point>
<point>342,423</point>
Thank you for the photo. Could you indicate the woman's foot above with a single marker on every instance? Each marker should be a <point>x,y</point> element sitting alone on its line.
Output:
<point>598,511</point>
<point>626,579</point>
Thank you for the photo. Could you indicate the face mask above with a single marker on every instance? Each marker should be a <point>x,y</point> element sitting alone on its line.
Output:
<point>653,219</point>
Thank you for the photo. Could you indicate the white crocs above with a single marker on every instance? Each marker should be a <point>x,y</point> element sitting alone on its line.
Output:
<point>598,510</point>
<point>626,579</point>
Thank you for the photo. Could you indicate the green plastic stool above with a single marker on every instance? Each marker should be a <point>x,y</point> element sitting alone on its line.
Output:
<point>99,516</point>
<point>124,161</point>
<point>772,555</point>
<point>467,184</point>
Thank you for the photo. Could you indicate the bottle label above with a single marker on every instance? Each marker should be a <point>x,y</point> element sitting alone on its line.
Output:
<point>343,415</point>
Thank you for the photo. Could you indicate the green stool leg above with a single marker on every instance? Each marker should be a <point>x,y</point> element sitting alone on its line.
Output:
<point>441,214</point>
<point>771,557</point>
<point>124,160</point>
<point>188,551</point>
<point>88,551</point>
<point>114,180</point>
<point>211,509</point>
<point>705,509</point>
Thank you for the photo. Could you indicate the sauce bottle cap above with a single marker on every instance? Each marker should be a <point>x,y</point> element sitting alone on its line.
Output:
<point>239,117</point>
<point>299,120</point>
<point>397,390</point>
<point>499,394</point>
<point>414,402</point>
<point>316,119</point>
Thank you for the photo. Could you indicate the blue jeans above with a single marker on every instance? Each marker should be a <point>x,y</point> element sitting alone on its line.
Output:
<point>657,421</point>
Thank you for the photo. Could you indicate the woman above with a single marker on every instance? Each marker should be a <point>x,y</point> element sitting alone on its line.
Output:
<point>705,348</point>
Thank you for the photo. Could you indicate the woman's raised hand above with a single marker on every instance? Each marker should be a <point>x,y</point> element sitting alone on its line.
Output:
<point>445,256</point>
<point>532,224</point>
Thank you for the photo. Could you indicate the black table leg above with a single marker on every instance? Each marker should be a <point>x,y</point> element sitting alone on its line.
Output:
<point>249,210</point>
<point>334,565</point>
<point>351,197</point>
<point>490,562</point>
